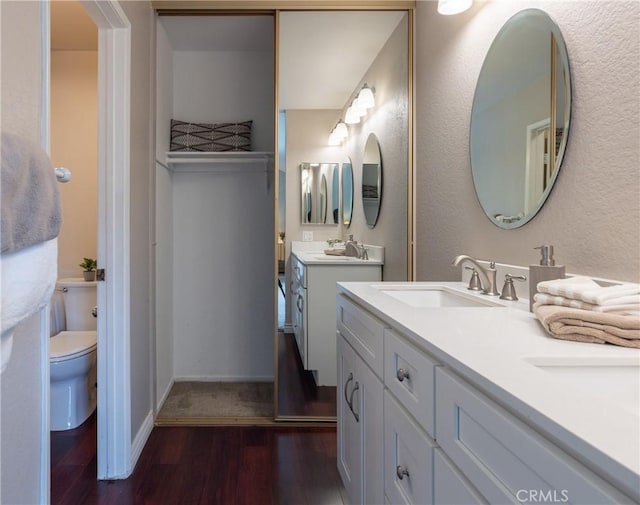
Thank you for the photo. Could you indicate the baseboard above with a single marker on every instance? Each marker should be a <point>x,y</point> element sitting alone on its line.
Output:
<point>165,395</point>
<point>288,328</point>
<point>140,440</point>
<point>222,378</point>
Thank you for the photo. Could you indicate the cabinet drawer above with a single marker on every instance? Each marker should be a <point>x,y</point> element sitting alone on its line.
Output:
<point>503,458</point>
<point>408,457</point>
<point>363,331</point>
<point>450,486</point>
<point>410,375</point>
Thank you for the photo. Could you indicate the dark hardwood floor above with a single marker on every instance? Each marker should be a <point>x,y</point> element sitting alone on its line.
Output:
<point>207,466</point>
<point>298,394</point>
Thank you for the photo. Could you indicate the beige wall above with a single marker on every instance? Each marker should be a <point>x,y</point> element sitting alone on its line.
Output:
<point>593,214</point>
<point>74,144</point>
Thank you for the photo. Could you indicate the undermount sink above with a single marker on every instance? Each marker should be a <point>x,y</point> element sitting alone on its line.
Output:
<point>615,377</point>
<point>433,297</point>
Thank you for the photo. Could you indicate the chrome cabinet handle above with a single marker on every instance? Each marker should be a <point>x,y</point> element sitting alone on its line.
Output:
<point>300,303</point>
<point>355,414</point>
<point>401,471</point>
<point>402,374</point>
<point>346,385</point>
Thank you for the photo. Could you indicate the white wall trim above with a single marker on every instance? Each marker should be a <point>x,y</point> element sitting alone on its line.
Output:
<point>165,395</point>
<point>114,374</point>
<point>45,141</point>
<point>141,438</point>
<point>223,378</point>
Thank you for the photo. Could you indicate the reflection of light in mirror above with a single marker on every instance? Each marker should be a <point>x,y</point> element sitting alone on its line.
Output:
<point>449,7</point>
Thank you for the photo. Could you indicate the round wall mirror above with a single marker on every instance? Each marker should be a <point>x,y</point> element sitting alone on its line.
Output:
<point>371,180</point>
<point>347,192</point>
<point>520,118</point>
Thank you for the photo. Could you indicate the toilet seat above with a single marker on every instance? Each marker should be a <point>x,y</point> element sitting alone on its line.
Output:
<point>71,344</point>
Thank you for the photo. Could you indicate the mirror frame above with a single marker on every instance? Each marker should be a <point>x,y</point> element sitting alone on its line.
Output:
<point>558,57</point>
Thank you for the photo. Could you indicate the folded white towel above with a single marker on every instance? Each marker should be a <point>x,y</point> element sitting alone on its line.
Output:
<point>623,308</point>
<point>586,290</point>
<point>28,279</point>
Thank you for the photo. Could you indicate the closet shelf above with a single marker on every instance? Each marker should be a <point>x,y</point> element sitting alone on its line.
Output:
<point>229,161</point>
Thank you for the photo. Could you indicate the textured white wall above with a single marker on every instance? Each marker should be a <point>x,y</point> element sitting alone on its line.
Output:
<point>592,216</point>
<point>74,144</point>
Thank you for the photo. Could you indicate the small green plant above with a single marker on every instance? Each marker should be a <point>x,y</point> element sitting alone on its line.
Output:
<point>88,264</point>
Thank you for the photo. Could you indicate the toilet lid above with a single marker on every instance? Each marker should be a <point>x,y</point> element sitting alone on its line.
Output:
<point>67,343</point>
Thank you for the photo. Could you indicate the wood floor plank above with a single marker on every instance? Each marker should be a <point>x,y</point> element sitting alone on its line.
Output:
<point>210,466</point>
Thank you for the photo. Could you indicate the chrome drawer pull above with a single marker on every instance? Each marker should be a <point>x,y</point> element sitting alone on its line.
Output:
<point>346,397</point>
<point>402,374</point>
<point>401,471</point>
<point>355,414</point>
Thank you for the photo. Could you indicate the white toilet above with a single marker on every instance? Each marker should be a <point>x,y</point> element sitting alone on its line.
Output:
<point>72,353</point>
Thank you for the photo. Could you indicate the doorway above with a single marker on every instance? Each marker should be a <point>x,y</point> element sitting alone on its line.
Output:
<point>116,452</point>
<point>74,145</point>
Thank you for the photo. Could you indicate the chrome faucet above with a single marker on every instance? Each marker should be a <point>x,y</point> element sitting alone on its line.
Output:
<point>351,248</point>
<point>488,275</point>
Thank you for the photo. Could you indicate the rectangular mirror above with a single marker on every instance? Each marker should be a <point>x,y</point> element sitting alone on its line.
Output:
<point>320,202</point>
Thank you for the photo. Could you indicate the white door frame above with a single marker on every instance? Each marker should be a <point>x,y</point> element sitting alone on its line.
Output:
<point>114,377</point>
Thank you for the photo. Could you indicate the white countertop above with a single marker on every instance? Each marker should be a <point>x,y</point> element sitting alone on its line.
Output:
<point>320,258</point>
<point>592,416</point>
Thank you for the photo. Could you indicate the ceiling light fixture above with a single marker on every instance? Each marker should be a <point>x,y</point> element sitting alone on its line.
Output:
<point>449,7</point>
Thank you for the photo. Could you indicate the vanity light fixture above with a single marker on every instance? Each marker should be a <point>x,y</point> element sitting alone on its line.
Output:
<point>338,134</point>
<point>449,7</point>
<point>351,116</point>
<point>365,98</point>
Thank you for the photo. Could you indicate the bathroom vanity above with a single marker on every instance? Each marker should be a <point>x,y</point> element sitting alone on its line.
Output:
<point>313,290</point>
<point>449,396</point>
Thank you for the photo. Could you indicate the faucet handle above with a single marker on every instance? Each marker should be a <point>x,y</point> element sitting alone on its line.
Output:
<point>474,282</point>
<point>509,290</point>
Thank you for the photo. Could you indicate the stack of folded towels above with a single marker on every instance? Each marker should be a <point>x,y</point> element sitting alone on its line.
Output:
<point>577,308</point>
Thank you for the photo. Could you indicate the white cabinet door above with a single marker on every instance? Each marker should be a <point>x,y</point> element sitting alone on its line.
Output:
<point>408,455</point>
<point>505,459</point>
<point>450,486</point>
<point>360,429</point>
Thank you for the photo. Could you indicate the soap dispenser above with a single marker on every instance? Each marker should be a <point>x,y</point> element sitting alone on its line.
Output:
<point>547,270</point>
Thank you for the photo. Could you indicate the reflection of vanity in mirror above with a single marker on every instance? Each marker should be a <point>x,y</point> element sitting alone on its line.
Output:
<point>316,47</point>
<point>315,181</point>
<point>523,88</point>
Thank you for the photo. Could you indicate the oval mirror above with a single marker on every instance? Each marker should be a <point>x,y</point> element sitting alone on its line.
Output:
<point>335,195</point>
<point>371,180</point>
<point>323,199</point>
<point>347,192</point>
<point>524,87</point>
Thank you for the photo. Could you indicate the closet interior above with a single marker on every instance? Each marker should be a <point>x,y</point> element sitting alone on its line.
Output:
<point>214,233</point>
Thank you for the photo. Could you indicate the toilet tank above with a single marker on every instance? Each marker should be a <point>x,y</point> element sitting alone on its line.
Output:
<point>80,297</point>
